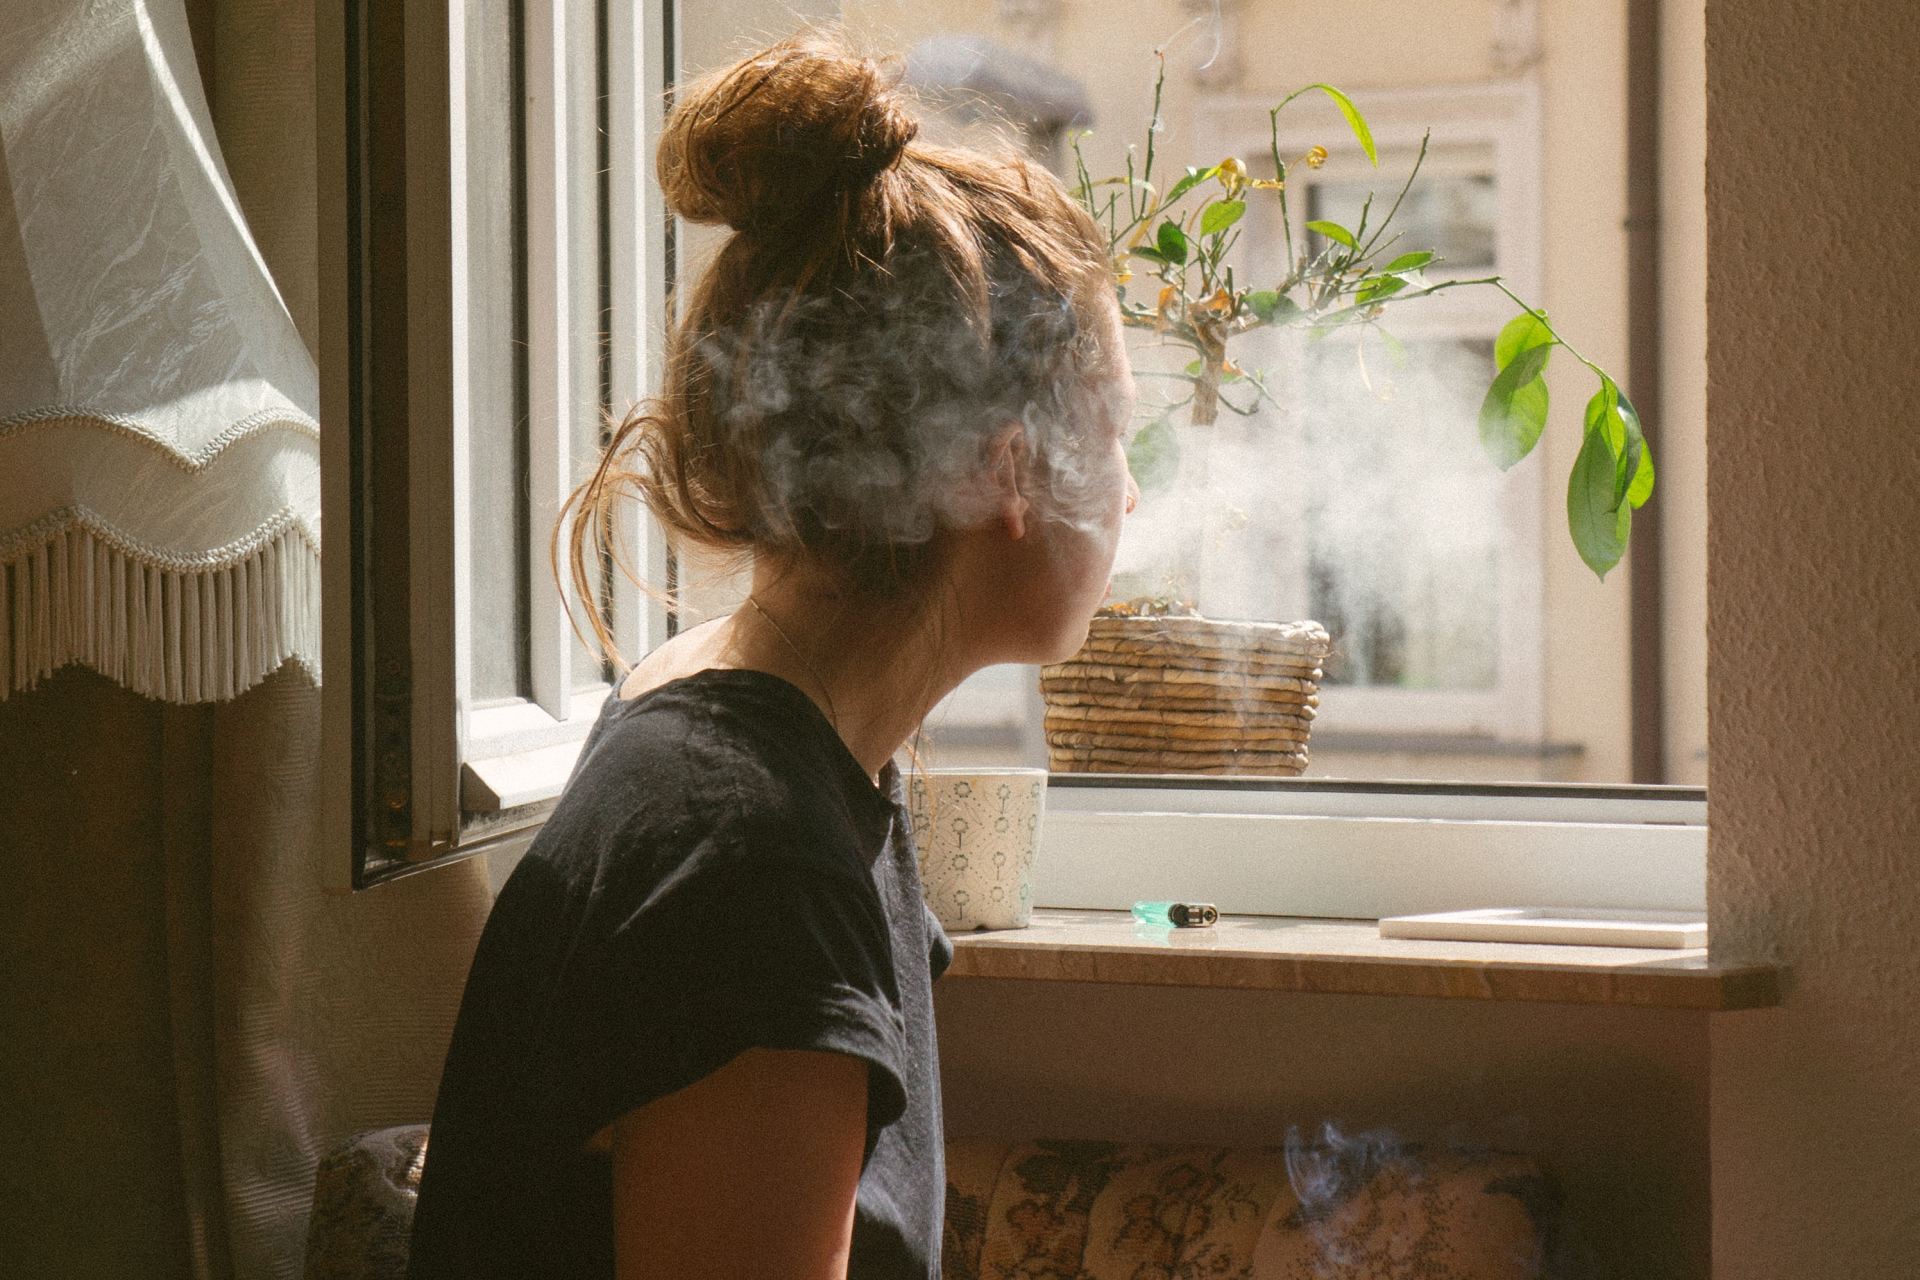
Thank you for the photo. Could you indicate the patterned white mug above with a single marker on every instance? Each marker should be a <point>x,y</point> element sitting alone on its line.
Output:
<point>976,831</point>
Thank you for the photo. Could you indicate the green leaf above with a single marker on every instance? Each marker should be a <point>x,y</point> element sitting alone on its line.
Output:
<point>1172,242</point>
<point>1528,329</point>
<point>1355,121</point>
<point>1379,287</point>
<point>1514,412</point>
<point>1641,487</point>
<point>1334,232</point>
<point>1408,262</point>
<point>1272,306</point>
<point>1217,217</point>
<point>1599,531</point>
<point>1151,255</point>
<point>1154,455</point>
<point>1193,179</point>
<point>1601,414</point>
<point>1632,453</point>
<point>1193,368</point>
<point>1612,416</point>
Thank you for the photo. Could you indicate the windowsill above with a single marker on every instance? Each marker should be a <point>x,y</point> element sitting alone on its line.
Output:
<point>1483,746</point>
<point>1348,957</point>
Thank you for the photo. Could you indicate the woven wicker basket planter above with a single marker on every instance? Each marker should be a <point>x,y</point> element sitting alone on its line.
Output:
<point>1185,695</point>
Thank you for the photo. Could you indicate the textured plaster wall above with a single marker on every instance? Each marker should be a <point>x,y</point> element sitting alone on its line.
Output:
<point>1814,633</point>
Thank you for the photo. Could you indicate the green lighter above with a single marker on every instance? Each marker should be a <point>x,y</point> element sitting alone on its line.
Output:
<point>1181,915</point>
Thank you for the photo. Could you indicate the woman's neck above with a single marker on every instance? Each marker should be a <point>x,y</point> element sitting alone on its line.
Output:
<point>875,669</point>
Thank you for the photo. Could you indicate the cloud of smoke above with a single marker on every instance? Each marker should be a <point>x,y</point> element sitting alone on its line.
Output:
<point>1361,498</point>
<point>1371,1204</point>
<point>870,410</point>
<point>1355,493</point>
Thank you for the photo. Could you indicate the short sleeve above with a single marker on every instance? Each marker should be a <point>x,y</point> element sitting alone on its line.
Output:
<point>939,945</point>
<point>769,953</point>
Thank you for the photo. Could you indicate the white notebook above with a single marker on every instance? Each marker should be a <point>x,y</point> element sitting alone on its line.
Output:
<point>1596,927</point>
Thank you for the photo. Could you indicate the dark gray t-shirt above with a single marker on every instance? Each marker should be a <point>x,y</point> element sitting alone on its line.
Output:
<point>719,874</point>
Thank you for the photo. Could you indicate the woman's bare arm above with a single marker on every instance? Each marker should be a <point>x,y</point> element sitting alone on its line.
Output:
<point>747,1174</point>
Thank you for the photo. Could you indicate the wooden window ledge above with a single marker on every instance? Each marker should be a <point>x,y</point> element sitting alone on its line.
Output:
<point>1349,957</point>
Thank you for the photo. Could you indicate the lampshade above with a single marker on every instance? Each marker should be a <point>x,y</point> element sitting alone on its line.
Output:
<point>159,457</point>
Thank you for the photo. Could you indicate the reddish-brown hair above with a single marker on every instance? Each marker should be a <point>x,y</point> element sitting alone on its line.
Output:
<point>881,306</point>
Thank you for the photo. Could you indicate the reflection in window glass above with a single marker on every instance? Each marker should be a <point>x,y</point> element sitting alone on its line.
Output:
<point>1454,214</point>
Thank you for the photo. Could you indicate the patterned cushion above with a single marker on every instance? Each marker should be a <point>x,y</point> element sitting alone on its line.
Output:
<point>1054,1210</point>
<point>1092,1210</point>
<point>363,1196</point>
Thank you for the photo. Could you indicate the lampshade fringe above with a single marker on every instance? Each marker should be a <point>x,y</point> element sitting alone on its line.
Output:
<point>178,632</point>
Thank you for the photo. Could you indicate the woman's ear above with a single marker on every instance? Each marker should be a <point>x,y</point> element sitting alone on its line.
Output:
<point>1007,471</point>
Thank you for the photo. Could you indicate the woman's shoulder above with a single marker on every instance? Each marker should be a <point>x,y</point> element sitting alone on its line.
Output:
<point>723,763</point>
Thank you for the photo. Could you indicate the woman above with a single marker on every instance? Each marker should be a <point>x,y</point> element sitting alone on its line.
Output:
<point>697,1037</point>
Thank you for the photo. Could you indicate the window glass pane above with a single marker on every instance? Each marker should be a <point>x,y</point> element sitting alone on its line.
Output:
<point>1468,640</point>
<point>496,499</point>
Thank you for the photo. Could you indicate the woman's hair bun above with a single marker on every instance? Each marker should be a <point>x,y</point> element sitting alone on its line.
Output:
<point>774,136</point>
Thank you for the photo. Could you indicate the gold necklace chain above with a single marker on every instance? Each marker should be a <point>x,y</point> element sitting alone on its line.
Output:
<point>833,715</point>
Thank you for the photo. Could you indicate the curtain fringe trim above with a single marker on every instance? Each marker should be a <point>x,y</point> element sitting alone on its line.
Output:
<point>77,516</point>
<point>177,632</point>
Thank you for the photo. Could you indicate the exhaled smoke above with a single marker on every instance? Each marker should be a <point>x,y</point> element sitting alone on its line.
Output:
<point>1369,1204</point>
<point>1355,492</point>
<point>1327,1174</point>
<point>871,409</point>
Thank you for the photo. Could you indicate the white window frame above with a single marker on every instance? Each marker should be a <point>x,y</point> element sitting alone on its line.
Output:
<point>519,753</point>
<point>1502,120</point>
<point>412,772</point>
<point>1299,847</point>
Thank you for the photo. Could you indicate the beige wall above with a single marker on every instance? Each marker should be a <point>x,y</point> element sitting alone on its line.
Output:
<point>1814,632</point>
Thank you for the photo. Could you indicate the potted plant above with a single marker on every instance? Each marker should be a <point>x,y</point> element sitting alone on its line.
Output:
<point>1159,688</point>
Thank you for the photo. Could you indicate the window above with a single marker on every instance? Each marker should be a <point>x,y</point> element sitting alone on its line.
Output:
<point>499,267</point>
<point>495,264</point>
<point>1468,643</point>
<point>541,378</point>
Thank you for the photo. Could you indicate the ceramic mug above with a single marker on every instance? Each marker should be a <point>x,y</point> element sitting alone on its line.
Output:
<point>976,831</point>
